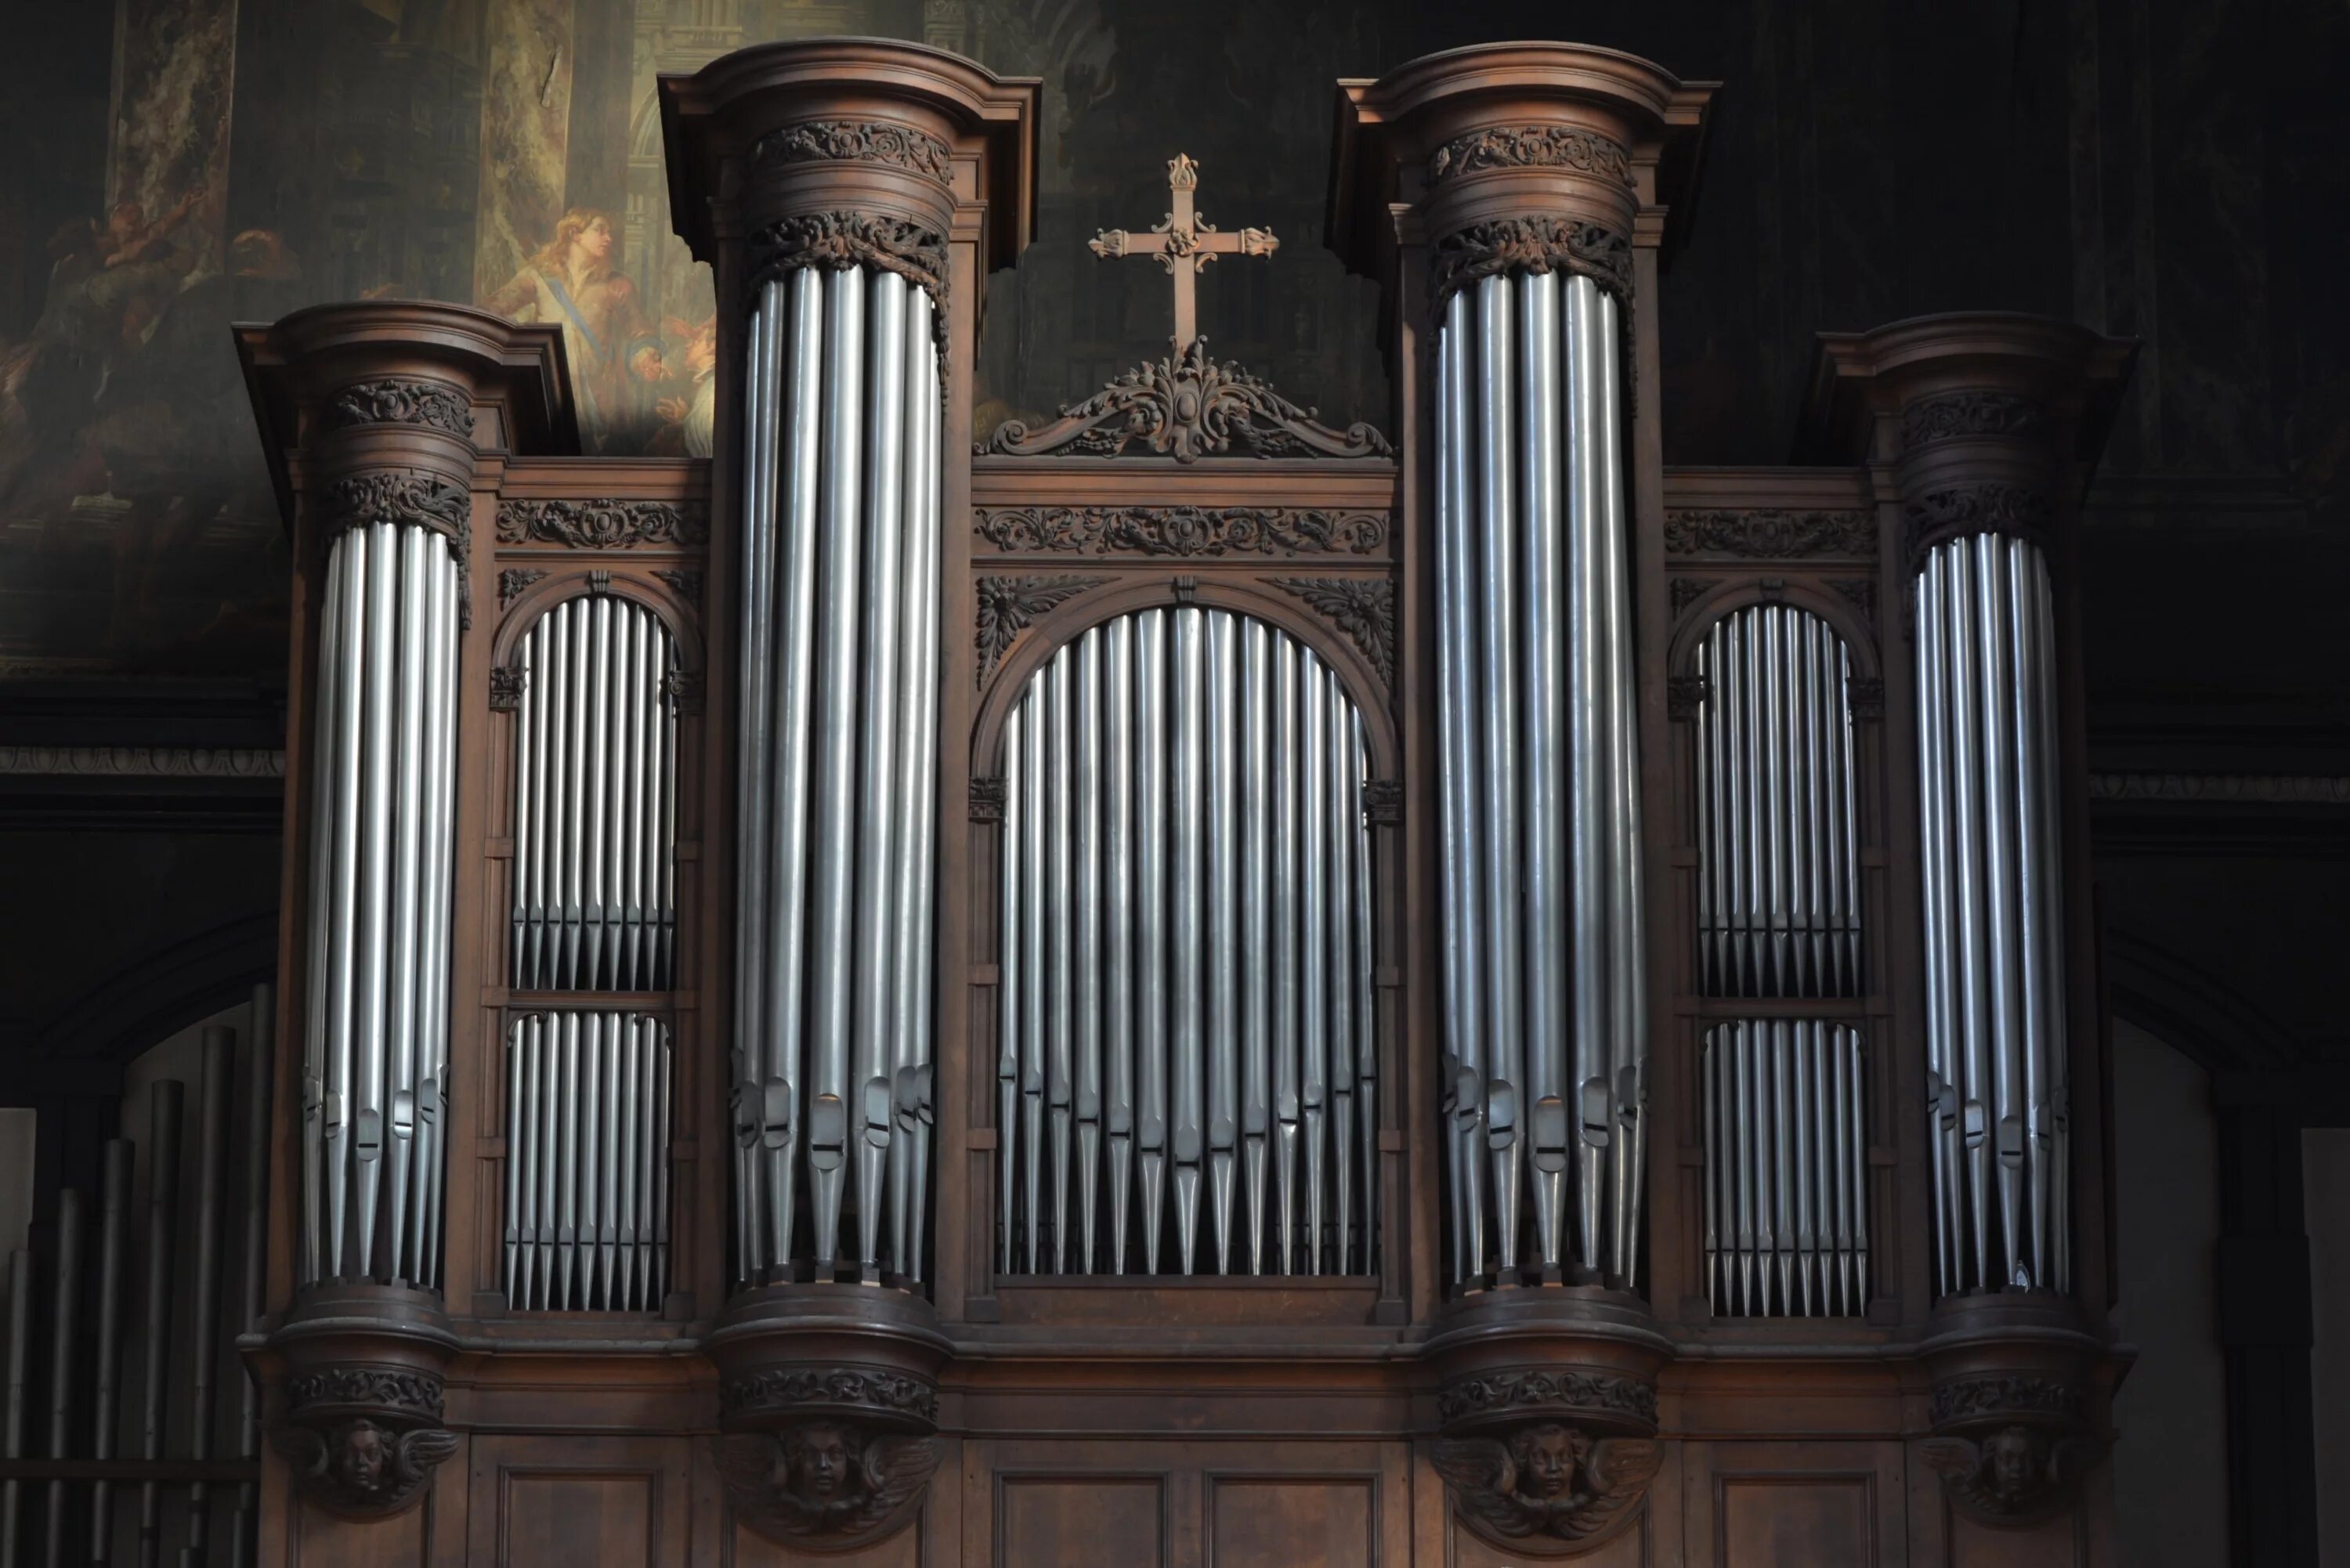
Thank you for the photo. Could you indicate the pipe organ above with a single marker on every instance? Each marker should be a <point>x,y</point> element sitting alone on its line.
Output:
<point>1182,980</point>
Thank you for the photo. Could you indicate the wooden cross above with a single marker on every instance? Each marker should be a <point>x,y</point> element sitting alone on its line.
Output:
<point>1184,244</point>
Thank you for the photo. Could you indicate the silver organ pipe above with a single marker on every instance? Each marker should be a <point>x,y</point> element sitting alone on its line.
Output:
<point>588,1139</point>
<point>1780,918</point>
<point>376,1047</point>
<point>1996,1081</point>
<point>594,788</point>
<point>838,789</point>
<point>1775,831</point>
<point>1227,909</point>
<point>1545,1059</point>
<point>1786,1229</point>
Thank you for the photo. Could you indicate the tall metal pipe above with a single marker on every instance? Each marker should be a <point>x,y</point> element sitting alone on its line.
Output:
<point>1500,635</point>
<point>1085,1000</point>
<point>1219,811</point>
<point>1118,843</point>
<point>113,1268</point>
<point>1151,933</point>
<point>1457,716</point>
<point>1059,1020</point>
<point>11,1417</point>
<point>1258,874</point>
<point>65,1319</point>
<point>1011,1000</point>
<point>218,1064</point>
<point>166,1102</point>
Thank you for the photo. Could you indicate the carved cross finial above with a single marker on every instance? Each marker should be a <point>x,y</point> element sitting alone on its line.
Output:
<point>1184,243</point>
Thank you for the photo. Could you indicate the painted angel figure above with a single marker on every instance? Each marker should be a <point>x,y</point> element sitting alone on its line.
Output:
<point>569,282</point>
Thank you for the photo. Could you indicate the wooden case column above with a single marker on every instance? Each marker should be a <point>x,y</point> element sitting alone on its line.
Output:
<point>1512,201</point>
<point>851,196</point>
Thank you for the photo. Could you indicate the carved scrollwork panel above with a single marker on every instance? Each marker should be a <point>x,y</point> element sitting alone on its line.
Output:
<point>1769,534</point>
<point>1362,607</point>
<point>1187,408</point>
<point>1008,604</point>
<point>1973,413</point>
<point>1533,1393</point>
<point>1966,509</point>
<point>838,241</point>
<point>608,524</point>
<point>1530,146</point>
<point>856,141</point>
<point>1178,530</point>
<point>403,401</point>
<point>1529,244</point>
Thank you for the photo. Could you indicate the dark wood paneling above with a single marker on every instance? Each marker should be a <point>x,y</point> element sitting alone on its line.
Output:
<point>1081,1521</point>
<point>578,1503</point>
<point>1302,1523</point>
<point>748,1549</point>
<point>1794,1505</point>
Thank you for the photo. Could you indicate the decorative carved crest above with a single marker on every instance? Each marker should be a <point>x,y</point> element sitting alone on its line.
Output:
<point>1184,243</point>
<point>405,496</point>
<point>1362,607</point>
<point>1530,146</point>
<point>513,582</point>
<point>856,141</point>
<point>838,241</point>
<point>1547,1485</point>
<point>1006,606</point>
<point>1535,244</point>
<point>506,686</point>
<point>363,1441</point>
<point>1861,591</point>
<point>1186,406</point>
<point>686,581</point>
<point>827,1483</point>
<point>608,524</point>
<point>1180,530</point>
<point>1979,413</point>
<point>1768,534</point>
<point>1965,509</point>
<point>401,400</point>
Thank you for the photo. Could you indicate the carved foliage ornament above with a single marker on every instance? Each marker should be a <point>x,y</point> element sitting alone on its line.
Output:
<point>362,1441</point>
<point>1965,509</point>
<point>824,1482</point>
<point>1546,1484</point>
<point>1007,605</point>
<point>514,582</point>
<point>1187,408</point>
<point>1512,1393</point>
<point>506,686</point>
<point>1769,534</point>
<point>1954,414</point>
<point>850,1388</point>
<point>1530,146</point>
<point>599,525</point>
<point>838,241</point>
<point>1530,244</point>
<point>856,141</point>
<point>411,496</point>
<point>1362,607</point>
<point>1180,530</point>
<point>402,402</point>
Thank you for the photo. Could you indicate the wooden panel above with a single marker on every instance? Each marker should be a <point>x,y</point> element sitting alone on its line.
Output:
<point>1629,1549</point>
<point>578,1503</point>
<point>322,1541</point>
<point>1794,1505</point>
<point>1302,1523</point>
<point>2053,1544</point>
<point>903,1550</point>
<point>1080,1521</point>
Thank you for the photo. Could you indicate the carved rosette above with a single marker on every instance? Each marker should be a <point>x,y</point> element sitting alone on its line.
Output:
<point>1007,606</point>
<point>1548,1461</point>
<point>1362,607</point>
<point>2011,1448</point>
<point>837,241</point>
<point>1187,408</point>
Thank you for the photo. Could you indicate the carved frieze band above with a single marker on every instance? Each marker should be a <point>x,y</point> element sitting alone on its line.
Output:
<point>1530,244</point>
<point>1530,1392</point>
<point>838,241</point>
<point>855,141</point>
<point>1178,530</point>
<point>851,1390</point>
<point>403,401</point>
<point>1007,606</point>
<point>1362,607</point>
<point>1530,146</point>
<point>1186,406</point>
<point>1965,509</point>
<point>1769,534</point>
<point>363,1441</point>
<point>600,525</point>
<point>1949,415</point>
